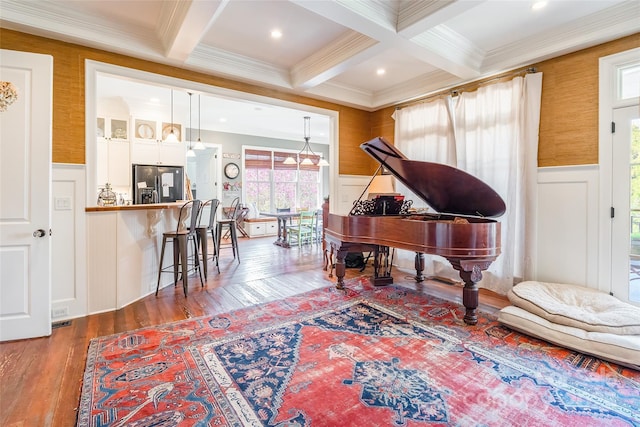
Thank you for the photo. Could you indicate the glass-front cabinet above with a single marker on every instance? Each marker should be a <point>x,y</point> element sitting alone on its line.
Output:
<point>150,145</point>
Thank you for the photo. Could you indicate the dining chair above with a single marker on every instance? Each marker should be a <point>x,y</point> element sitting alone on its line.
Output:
<point>231,211</point>
<point>304,230</point>
<point>180,239</point>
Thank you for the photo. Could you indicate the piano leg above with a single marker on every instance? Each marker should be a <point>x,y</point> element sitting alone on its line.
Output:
<point>381,267</point>
<point>340,267</point>
<point>419,266</point>
<point>471,273</point>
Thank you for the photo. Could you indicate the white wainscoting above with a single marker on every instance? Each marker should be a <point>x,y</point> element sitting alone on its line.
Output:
<point>567,225</point>
<point>349,188</point>
<point>68,240</point>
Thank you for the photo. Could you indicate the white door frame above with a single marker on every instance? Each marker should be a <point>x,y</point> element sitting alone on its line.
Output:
<point>25,197</point>
<point>608,101</point>
<point>93,68</point>
<point>621,188</point>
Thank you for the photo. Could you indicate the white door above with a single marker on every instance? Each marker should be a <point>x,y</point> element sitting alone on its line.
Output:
<point>25,192</point>
<point>625,247</point>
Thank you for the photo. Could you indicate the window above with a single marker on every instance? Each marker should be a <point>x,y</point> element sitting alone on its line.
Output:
<point>271,184</point>
<point>629,82</point>
<point>257,179</point>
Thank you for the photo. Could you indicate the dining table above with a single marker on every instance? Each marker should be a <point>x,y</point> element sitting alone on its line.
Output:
<point>283,218</point>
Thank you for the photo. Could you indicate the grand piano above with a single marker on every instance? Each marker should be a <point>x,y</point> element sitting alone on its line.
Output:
<point>462,230</point>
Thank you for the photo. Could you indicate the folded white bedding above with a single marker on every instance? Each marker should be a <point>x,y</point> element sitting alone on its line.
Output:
<point>577,306</point>
<point>621,349</point>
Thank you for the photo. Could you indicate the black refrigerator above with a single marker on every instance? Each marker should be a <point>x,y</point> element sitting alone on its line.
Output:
<point>157,184</point>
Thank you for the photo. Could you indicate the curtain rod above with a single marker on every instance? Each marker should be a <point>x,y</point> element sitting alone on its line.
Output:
<point>455,91</point>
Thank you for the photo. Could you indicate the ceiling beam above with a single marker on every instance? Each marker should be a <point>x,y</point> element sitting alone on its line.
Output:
<point>183,24</point>
<point>420,35</point>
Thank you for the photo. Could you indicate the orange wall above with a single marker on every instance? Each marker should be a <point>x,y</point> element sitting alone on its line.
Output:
<point>569,109</point>
<point>69,90</point>
<point>568,123</point>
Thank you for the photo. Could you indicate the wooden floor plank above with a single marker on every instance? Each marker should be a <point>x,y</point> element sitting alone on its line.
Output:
<point>41,378</point>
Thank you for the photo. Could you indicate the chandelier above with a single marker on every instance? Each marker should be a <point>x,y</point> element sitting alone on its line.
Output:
<point>306,154</point>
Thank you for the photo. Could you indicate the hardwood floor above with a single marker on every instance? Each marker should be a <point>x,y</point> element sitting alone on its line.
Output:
<point>40,379</point>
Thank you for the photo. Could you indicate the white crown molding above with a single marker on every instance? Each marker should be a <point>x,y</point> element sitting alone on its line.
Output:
<point>416,88</point>
<point>415,27</point>
<point>332,59</point>
<point>343,94</point>
<point>185,24</point>
<point>615,22</point>
<point>383,13</point>
<point>416,17</point>
<point>208,59</point>
<point>172,16</point>
<point>451,52</point>
<point>54,20</point>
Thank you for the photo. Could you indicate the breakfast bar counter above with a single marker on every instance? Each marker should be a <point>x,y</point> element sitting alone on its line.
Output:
<point>149,206</point>
<point>123,251</point>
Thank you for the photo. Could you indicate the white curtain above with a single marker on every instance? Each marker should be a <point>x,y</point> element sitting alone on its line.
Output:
<point>495,138</point>
<point>425,132</point>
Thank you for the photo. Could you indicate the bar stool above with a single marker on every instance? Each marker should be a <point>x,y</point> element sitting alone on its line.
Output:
<point>202,232</point>
<point>230,225</point>
<point>180,239</point>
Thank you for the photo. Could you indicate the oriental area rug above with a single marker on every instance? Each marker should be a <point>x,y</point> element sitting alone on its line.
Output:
<point>366,356</point>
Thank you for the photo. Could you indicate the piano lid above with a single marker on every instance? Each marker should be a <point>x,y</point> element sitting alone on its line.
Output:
<point>446,189</point>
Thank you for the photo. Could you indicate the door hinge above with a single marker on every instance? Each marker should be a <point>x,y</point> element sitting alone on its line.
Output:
<point>613,127</point>
<point>613,212</point>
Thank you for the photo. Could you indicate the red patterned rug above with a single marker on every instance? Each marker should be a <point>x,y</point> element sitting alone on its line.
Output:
<point>362,357</point>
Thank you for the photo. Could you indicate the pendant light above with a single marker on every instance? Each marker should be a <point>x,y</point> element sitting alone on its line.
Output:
<point>306,153</point>
<point>199,145</point>
<point>190,152</point>
<point>171,137</point>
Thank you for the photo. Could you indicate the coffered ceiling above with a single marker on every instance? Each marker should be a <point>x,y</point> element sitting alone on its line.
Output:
<point>334,49</point>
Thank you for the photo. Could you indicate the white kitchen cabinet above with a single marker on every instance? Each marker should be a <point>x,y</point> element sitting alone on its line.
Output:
<point>173,154</point>
<point>113,129</point>
<point>113,164</point>
<point>149,148</point>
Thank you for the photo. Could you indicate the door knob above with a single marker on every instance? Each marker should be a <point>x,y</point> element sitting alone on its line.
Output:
<point>39,233</point>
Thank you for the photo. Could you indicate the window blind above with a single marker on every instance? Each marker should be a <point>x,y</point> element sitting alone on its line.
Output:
<point>257,159</point>
<point>278,159</point>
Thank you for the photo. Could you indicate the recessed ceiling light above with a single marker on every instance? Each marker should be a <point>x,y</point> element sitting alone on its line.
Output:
<point>380,71</point>
<point>222,120</point>
<point>537,5</point>
<point>276,34</point>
